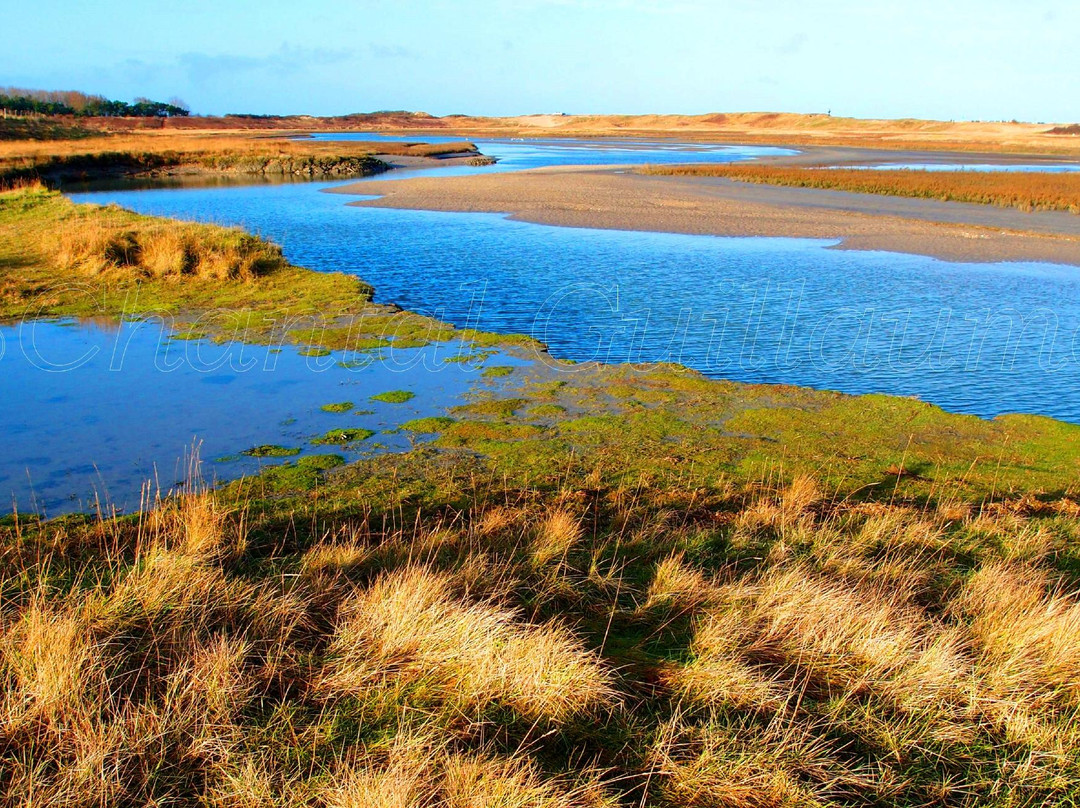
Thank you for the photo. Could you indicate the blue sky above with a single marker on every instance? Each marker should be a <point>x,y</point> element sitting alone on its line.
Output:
<point>947,59</point>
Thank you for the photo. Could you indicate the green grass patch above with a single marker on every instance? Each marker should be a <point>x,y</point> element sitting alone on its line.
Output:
<point>394,396</point>
<point>430,426</point>
<point>343,437</point>
<point>271,450</point>
<point>546,410</point>
<point>337,407</point>
<point>498,407</point>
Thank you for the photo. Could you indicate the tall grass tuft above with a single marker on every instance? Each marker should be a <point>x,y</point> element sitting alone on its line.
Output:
<point>482,649</point>
<point>107,241</point>
<point>412,625</point>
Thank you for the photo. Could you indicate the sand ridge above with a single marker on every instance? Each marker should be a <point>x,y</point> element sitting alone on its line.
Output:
<point>621,199</point>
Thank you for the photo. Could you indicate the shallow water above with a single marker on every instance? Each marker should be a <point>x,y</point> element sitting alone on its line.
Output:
<point>525,153</point>
<point>95,411</point>
<point>976,338</point>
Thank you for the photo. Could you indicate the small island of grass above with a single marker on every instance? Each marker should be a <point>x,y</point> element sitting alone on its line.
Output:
<point>429,426</point>
<point>394,396</point>
<point>343,437</point>
<point>271,450</point>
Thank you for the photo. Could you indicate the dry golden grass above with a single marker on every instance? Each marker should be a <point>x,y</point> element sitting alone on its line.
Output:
<point>97,241</point>
<point>1027,633</point>
<point>677,587</point>
<point>412,625</point>
<point>416,771</point>
<point>1026,191</point>
<point>152,154</point>
<point>201,653</point>
<point>211,144</point>
<point>555,536</point>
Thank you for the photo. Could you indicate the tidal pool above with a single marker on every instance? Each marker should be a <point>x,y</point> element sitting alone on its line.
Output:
<point>93,411</point>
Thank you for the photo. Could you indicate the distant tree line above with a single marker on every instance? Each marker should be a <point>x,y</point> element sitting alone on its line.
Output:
<point>20,101</point>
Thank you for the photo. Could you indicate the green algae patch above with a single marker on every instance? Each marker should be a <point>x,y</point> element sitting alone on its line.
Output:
<point>394,396</point>
<point>497,407</point>
<point>302,475</point>
<point>497,371</point>
<point>338,407</point>
<point>271,450</point>
<point>546,411</point>
<point>343,437</point>
<point>187,336</point>
<point>428,426</point>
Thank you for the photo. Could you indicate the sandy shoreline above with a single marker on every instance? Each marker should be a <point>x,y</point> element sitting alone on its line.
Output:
<point>619,199</point>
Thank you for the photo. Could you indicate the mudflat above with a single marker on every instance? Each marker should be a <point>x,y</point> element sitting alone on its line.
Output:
<point>613,197</point>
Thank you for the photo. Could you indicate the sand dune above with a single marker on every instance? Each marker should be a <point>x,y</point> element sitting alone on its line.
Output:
<point>746,127</point>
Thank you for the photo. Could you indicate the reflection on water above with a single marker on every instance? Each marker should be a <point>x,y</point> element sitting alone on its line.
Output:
<point>94,412</point>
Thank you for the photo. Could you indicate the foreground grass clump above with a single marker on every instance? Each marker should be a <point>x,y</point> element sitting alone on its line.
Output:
<point>1025,191</point>
<point>430,636</point>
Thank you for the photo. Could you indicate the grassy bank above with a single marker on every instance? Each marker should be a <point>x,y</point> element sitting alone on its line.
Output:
<point>71,160</point>
<point>62,259</point>
<point>1022,190</point>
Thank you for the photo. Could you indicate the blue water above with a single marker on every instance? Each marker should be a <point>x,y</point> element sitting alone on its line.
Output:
<point>95,411</point>
<point>526,153</point>
<point>975,338</point>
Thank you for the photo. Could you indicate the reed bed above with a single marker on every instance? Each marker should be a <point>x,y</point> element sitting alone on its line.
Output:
<point>1027,191</point>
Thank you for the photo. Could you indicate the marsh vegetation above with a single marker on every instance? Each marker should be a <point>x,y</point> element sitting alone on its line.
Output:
<point>1025,191</point>
<point>165,153</point>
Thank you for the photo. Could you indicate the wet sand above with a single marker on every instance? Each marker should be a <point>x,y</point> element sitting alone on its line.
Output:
<point>617,198</point>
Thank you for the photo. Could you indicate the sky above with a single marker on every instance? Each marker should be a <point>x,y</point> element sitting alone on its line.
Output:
<point>941,59</point>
